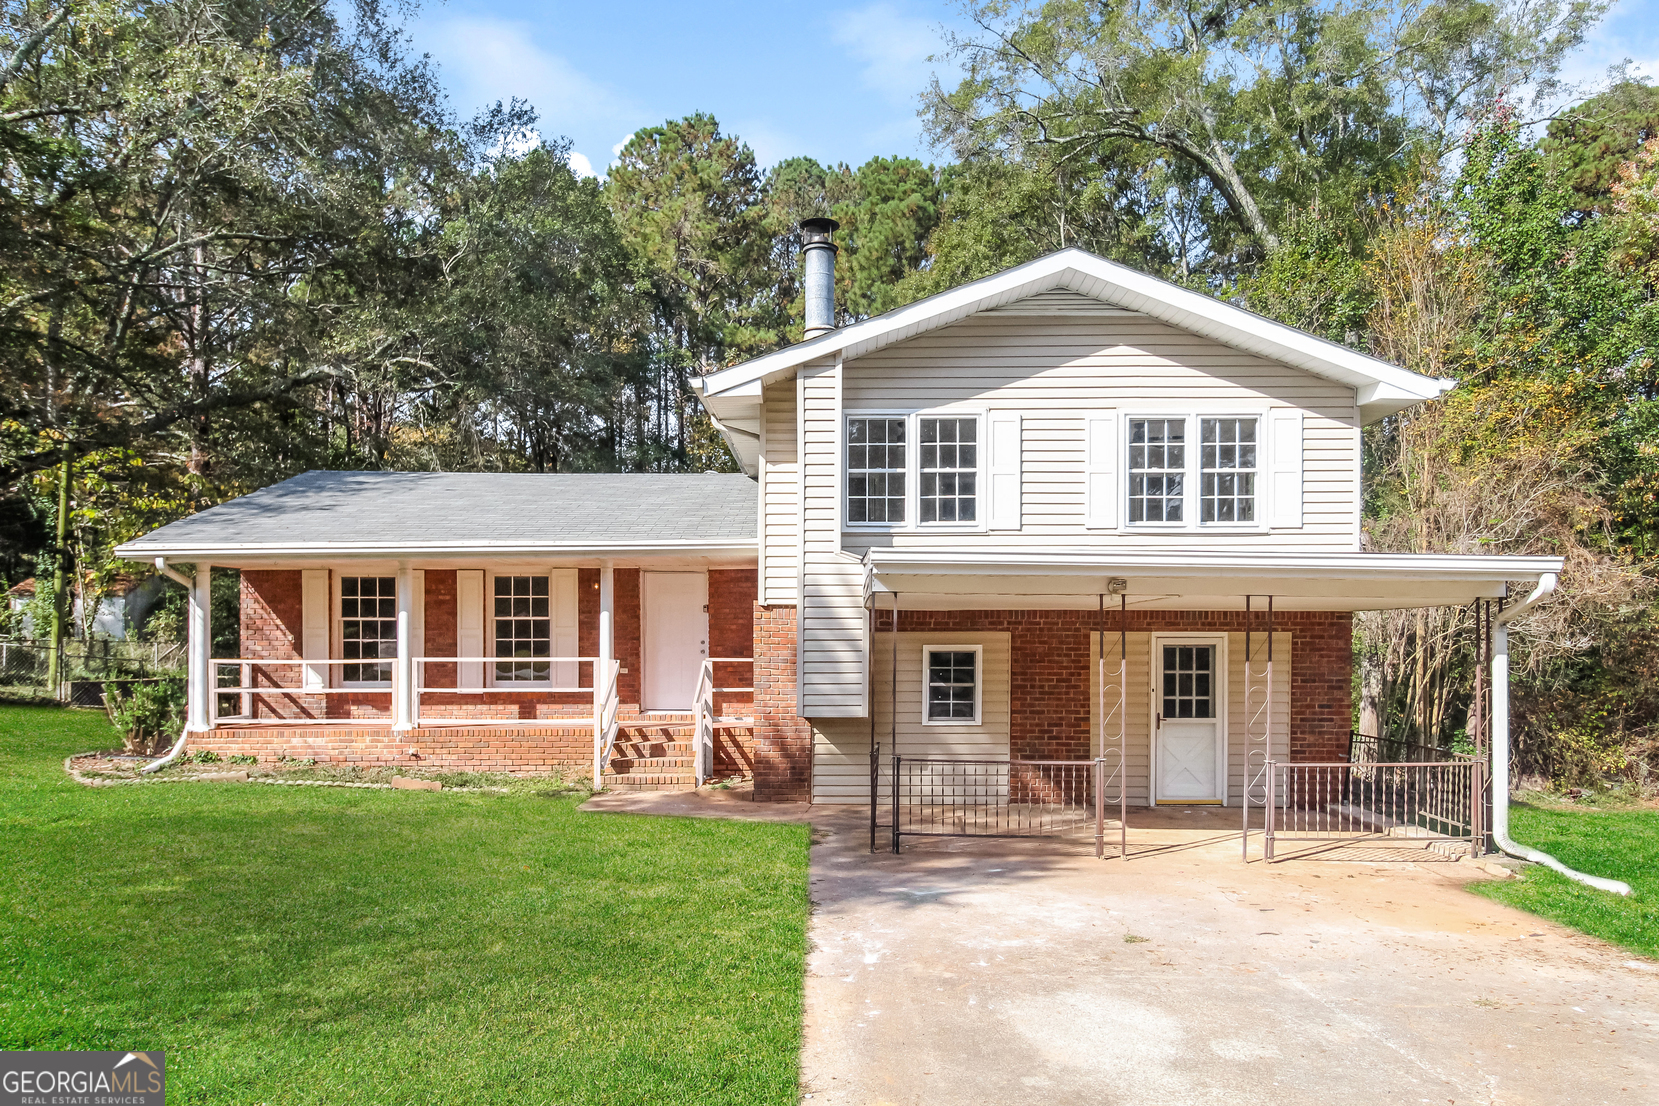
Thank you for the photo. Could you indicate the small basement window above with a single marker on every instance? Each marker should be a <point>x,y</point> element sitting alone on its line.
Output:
<point>952,691</point>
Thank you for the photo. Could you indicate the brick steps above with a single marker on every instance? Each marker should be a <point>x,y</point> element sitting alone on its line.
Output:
<point>653,756</point>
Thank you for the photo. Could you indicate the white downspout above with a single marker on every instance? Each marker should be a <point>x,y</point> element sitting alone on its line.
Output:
<point>1500,746</point>
<point>197,648</point>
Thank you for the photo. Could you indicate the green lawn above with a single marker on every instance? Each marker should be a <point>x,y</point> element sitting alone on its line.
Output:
<point>1620,844</point>
<point>328,945</point>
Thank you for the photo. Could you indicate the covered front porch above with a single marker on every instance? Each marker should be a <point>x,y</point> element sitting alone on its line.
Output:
<point>1053,694</point>
<point>638,671</point>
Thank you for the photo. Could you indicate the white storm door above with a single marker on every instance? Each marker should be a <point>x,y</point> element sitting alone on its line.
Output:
<point>1187,702</point>
<point>676,636</point>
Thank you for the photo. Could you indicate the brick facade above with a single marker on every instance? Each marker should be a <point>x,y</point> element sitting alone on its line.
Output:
<point>271,625</point>
<point>782,739</point>
<point>1049,670</point>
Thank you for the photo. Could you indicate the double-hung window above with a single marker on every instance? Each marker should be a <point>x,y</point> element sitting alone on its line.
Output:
<point>876,467</point>
<point>1166,475</point>
<point>368,629</point>
<point>1227,470</point>
<point>952,691</point>
<point>1157,470</point>
<point>523,630</point>
<point>948,470</point>
<point>913,470</point>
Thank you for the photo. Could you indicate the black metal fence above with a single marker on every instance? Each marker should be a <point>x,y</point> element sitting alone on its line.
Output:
<point>934,797</point>
<point>1425,800</point>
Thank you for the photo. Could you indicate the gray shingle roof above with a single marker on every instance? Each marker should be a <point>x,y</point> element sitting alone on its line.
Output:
<point>455,511</point>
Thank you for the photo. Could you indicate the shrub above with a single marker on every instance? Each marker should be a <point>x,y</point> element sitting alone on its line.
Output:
<point>203,756</point>
<point>149,715</point>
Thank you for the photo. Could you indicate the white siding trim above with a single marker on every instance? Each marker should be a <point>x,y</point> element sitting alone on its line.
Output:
<point>1004,443</point>
<point>314,625</point>
<point>469,625</point>
<point>1285,448</point>
<point>1101,489</point>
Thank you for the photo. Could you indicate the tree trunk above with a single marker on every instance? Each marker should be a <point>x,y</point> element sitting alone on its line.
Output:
<point>1371,706</point>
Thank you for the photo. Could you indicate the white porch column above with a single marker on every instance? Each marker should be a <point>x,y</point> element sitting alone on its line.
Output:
<point>607,611</point>
<point>403,670</point>
<point>199,653</point>
<point>1500,729</point>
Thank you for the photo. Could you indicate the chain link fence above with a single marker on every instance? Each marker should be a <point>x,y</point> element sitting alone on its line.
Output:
<point>86,668</point>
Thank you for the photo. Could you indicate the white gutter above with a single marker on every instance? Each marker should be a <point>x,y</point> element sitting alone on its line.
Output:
<point>141,550</point>
<point>1500,746</point>
<point>177,577</point>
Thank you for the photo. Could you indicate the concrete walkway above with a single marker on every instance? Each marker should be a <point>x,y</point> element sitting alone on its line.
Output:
<point>989,972</point>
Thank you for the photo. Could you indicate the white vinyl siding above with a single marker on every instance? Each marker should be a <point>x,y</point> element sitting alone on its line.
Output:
<point>1064,371</point>
<point>841,747</point>
<point>831,618</point>
<point>780,496</point>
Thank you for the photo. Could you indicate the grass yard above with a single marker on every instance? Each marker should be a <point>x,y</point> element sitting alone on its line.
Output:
<point>327,945</point>
<point>1620,844</point>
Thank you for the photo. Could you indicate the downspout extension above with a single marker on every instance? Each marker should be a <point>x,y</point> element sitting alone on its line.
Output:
<point>173,754</point>
<point>1500,747</point>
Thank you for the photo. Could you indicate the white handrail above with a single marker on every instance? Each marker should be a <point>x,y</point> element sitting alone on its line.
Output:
<point>702,749</point>
<point>606,707</point>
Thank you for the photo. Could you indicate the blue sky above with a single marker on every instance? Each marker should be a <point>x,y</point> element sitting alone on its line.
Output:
<point>837,82</point>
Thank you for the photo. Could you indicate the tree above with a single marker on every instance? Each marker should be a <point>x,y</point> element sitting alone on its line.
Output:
<point>1269,105</point>
<point>690,206</point>
<point>1586,147</point>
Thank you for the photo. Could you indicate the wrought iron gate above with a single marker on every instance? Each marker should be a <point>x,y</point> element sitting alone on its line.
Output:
<point>935,797</point>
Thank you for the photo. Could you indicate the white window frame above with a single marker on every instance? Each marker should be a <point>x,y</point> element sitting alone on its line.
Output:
<point>337,629</point>
<point>1192,478</point>
<point>912,471</point>
<point>979,683</point>
<point>490,680</point>
<point>845,470</point>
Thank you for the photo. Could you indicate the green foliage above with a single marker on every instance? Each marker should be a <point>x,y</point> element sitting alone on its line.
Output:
<point>523,952</point>
<point>149,714</point>
<point>1585,147</point>
<point>201,756</point>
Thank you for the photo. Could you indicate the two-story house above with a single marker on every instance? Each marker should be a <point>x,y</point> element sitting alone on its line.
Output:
<point>1066,508</point>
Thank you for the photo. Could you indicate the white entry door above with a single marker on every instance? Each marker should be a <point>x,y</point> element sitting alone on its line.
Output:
<point>1188,700</point>
<point>676,636</point>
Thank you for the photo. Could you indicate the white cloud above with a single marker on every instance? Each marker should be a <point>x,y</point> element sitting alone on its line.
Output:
<point>622,144</point>
<point>580,165</point>
<point>484,60</point>
<point>890,48</point>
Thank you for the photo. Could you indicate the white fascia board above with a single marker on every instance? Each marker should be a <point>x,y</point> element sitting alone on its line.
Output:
<point>1389,387</point>
<point>1176,564</point>
<point>145,551</point>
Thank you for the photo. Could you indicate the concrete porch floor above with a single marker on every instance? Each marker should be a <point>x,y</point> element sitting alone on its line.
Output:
<point>996,971</point>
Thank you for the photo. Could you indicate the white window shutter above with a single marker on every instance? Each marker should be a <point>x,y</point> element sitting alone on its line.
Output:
<point>314,605</point>
<point>1004,466</point>
<point>1285,460</point>
<point>561,591</point>
<point>1101,472</point>
<point>469,625</point>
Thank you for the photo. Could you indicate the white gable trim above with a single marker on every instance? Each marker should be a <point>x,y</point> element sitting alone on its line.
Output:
<point>732,395</point>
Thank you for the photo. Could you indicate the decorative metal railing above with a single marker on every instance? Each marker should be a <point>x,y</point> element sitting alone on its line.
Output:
<point>934,797</point>
<point>1347,803</point>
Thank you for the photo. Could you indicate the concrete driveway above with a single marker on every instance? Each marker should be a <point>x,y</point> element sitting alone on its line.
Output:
<point>1006,972</point>
<point>1021,972</point>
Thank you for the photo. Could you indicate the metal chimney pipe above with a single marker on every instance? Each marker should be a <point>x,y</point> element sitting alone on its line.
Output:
<point>820,274</point>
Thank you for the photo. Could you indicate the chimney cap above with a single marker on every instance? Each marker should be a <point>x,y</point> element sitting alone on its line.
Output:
<point>818,229</point>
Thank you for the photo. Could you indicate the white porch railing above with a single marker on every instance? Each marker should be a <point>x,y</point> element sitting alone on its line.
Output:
<point>702,749</point>
<point>605,707</point>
